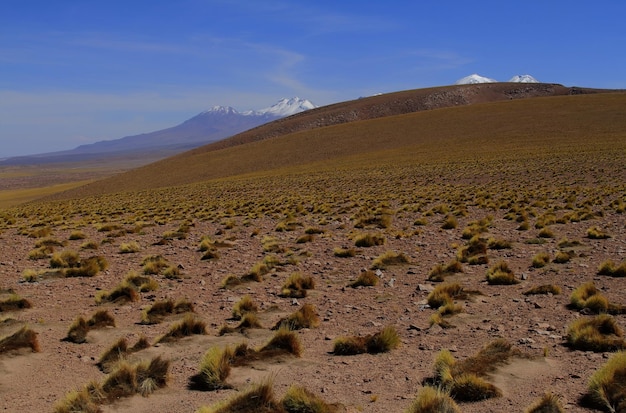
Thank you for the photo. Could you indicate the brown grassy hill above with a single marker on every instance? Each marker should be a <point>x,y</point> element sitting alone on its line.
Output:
<point>469,118</point>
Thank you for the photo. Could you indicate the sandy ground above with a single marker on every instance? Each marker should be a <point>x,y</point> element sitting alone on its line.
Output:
<point>384,382</point>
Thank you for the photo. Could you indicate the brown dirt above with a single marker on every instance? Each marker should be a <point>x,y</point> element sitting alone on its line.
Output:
<point>533,324</point>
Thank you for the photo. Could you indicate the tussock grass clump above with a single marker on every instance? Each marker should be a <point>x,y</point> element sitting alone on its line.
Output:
<point>465,380</point>
<point>88,267</point>
<point>344,252</point>
<point>381,220</point>
<point>470,387</point>
<point>548,403</point>
<point>129,247</point>
<point>607,386</point>
<point>128,289</point>
<point>77,235</point>
<point>108,227</point>
<point>157,312</point>
<point>544,289</point>
<point>501,274</point>
<point>215,367</point>
<point>77,401</point>
<point>389,258</point>
<point>298,399</point>
<point>303,239</point>
<point>118,351</point>
<point>245,305</point>
<point>432,400</point>
<point>248,321</point>
<point>260,269</point>
<point>546,233</point>
<point>563,257</point>
<point>13,303</point>
<point>365,279</point>
<point>22,338</point>
<point>151,375</point>
<point>113,354</point>
<point>597,233</point>
<point>122,293</point>
<point>283,341</point>
<point>154,264</point>
<point>65,259</point>
<point>540,260</point>
<point>231,281</point>
<point>442,298</point>
<point>89,245</point>
<point>141,378</point>
<point>190,325</point>
<point>439,272</point>
<point>172,272</point>
<point>600,333</point>
<point>369,240</point>
<point>385,340</point>
<point>305,317</point>
<point>588,297</point>
<point>40,232</point>
<point>40,253</point>
<point>450,222</point>
<point>258,399</point>
<point>611,269</point>
<point>498,244</point>
<point>567,243</point>
<point>140,282</point>
<point>297,285</point>
<point>475,228</point>
<point>78,330</point>
<point>271,244</point>
<point>444,294</point>
<point>474,252</point>
<point>210,254</point>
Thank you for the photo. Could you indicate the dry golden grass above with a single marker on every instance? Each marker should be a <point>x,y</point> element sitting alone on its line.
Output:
<point>578,118</point>
<point>607,387</point>
<point>23,338</point>
<point>465,380</point>
<point>381,342</point>
<point>534,178</point>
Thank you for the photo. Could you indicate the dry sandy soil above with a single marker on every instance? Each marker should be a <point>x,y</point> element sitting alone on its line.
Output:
<point>384,382</point>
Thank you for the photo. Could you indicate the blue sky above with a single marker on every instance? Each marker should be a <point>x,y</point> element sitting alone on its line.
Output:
<point>79,71</point>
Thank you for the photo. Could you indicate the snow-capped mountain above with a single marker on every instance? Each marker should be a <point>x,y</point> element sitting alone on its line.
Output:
<point>285,107</point>
<point>473,79</point>
<point>211,125</point>
<point>523,79</point>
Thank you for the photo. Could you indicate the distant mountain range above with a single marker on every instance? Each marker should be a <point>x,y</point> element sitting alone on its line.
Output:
<point>214,124</point>
<point>475,78</point>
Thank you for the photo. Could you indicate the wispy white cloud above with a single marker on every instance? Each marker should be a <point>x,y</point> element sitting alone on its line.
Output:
<point>439,59</point>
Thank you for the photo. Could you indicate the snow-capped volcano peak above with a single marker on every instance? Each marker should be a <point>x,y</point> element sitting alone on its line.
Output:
<point>473,79</point>
<point>285,107</point>
<point>523,79</point>
<point>222,110</point>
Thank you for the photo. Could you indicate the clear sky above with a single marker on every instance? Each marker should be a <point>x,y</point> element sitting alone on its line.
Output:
<point>80,71</point>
